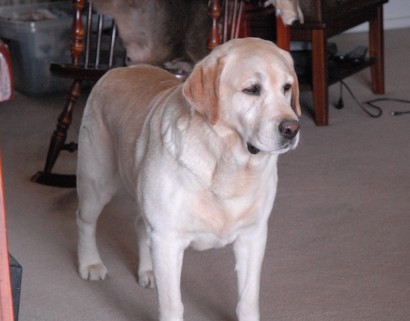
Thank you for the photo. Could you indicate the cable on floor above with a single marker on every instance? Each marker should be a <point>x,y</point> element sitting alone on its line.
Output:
<point>377,111</point>
<point>371,109</point>
<point>393,113</point>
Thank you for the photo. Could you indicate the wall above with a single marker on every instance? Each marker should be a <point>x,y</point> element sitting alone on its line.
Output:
<point>396,15</point>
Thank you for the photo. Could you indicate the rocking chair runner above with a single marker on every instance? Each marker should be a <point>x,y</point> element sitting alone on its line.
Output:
<point>85,66</point>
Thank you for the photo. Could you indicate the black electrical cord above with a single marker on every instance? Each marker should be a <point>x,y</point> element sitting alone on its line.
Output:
<point>374,114</point>
<point>340,104</point>
<point>371,103</point>
<point>393,113</point>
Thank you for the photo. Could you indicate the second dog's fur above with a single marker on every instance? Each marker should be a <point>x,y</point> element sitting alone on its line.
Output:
<point>159,31</point>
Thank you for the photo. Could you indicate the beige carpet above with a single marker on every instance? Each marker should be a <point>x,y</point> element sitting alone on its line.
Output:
<point>339,242</point>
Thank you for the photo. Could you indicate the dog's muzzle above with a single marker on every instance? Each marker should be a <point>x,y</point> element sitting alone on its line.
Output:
<point>288,130</point>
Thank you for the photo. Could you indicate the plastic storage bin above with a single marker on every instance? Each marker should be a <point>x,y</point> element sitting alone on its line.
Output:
<point>34,44</point>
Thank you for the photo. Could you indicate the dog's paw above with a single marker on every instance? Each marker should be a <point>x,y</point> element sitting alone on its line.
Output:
<point>93,272</point>
<point>146,279</point>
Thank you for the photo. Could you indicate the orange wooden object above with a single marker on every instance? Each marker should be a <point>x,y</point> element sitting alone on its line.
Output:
<point>282,34</point>
<point>214,12</point>
<point>77,31</point>
<point>6,300</point>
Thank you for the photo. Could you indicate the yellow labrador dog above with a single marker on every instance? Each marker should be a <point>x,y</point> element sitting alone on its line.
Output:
<point>199,157</point>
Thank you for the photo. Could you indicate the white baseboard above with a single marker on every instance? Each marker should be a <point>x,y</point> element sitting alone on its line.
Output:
<point>389,23</point>
<point>397,23</point>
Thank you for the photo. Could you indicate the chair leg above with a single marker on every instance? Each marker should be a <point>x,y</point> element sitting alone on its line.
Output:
<point>376,50</point>
<point>63,124</point>
<point>282,34</point>
<point>57,143</point>
<point>320,78</point>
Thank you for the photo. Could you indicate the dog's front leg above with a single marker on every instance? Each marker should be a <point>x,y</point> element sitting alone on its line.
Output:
<point>249,250</point>
<point>167,257</point>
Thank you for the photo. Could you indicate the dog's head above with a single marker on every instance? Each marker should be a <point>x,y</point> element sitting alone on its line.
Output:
<point>250,87</point>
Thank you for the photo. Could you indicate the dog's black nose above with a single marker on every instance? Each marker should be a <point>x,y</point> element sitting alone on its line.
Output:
<point>289,128</point>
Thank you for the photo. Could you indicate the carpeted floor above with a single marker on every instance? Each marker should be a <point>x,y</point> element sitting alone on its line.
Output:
<point>339,242</point>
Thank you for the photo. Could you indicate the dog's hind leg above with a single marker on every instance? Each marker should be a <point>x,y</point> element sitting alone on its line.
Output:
<point>97,182</point>
<point>90,265</point>
<point>145,271</point>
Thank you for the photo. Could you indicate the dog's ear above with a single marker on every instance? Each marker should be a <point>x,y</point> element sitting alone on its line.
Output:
<point>201,89</point>
<point>295,103</point>
<point>295,88</point>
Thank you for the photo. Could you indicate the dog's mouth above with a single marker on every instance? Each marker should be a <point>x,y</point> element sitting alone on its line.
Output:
<point>252,149</point>
<point>282,149</point>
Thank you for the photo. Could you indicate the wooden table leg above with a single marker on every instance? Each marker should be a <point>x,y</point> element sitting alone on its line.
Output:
<point>320,77</point>
<point>282,34</point>
<point>376,50</point>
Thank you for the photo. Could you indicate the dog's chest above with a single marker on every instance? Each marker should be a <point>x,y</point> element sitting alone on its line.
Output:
<point>208,200</point>
<point>215,224</point>
<point>226,196</point>
<point>218,214</point>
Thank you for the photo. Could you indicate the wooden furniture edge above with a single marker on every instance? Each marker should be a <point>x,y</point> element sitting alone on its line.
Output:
<point>6,301</point>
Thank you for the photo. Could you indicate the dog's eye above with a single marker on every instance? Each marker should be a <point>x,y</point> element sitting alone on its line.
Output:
<point>254,90</point>
<point>287,87</point>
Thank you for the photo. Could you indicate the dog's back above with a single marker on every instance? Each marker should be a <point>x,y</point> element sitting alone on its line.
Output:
<point>113,113</point>
<point>121,85</point>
